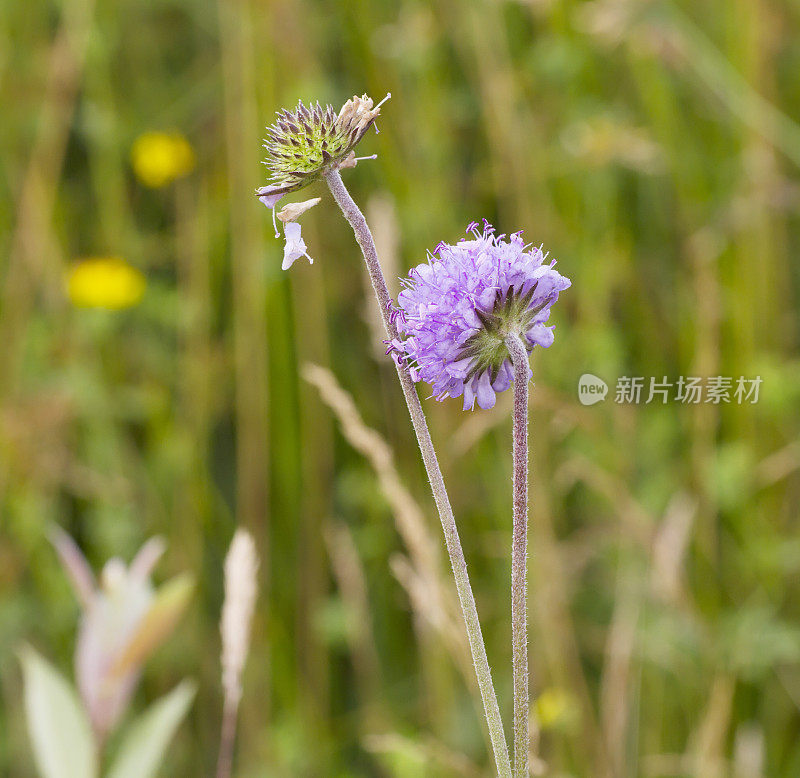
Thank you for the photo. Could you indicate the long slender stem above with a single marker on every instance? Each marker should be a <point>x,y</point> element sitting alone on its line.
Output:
<point>364,237</point>
<point>519,558</point>
<point>227,737</point>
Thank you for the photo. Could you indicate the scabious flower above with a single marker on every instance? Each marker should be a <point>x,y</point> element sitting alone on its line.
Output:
<point>457,309</point>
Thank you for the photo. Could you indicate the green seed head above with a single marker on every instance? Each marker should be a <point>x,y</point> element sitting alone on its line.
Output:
<point>305,143</point>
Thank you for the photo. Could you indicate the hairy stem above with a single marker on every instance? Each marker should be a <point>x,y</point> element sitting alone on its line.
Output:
<point>364,237</point>
<point>519,557</point>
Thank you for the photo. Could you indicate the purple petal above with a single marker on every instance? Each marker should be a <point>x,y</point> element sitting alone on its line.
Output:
<point>540,335</point>
<point>504,375</point>
<point>469,397</point>
<point>486,395</point>
<point>269,195</point>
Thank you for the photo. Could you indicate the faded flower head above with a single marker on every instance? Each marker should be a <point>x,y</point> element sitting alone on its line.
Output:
<point>305,143</point>
<point>457,309</point>
<point>124,620</point>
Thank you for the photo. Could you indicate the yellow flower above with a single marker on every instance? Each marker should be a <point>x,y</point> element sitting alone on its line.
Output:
<point>160,157</point>
<point>556,708</point>
<point>104,282</point>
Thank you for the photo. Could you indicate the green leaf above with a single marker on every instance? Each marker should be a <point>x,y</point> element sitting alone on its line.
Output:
<point>143,746</point>
<point>168,606</point>
<point>60,732</point>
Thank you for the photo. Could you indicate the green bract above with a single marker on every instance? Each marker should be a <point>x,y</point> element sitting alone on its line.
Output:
<point>512,316</point>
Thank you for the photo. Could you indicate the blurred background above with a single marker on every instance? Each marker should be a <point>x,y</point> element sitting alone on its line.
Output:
<point>162,376</point>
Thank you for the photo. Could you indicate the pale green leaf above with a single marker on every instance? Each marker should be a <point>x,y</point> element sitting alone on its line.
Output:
<point>143,746</point>
<point>168,606</point>
<point>60,732</point>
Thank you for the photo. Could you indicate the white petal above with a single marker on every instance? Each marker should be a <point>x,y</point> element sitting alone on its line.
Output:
<point>292,232</point>
<point>295,245</point>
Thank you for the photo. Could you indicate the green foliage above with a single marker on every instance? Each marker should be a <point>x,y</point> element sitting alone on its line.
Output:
<point>168,606</point>
<point>61,736</point>
<point>59,729</point>
<point>145,742</point>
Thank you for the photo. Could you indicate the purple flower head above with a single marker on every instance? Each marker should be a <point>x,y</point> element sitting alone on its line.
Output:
<point>458,307</point>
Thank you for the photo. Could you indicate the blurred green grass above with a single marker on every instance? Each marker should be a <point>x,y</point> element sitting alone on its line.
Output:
<point>652,148</point>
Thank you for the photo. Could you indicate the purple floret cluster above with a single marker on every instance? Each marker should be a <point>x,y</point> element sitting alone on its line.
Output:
<point>456,310</point>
